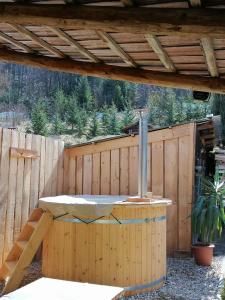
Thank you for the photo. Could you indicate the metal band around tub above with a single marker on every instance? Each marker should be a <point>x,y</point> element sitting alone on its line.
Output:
<point>146,285</point>
<point>115,221</point>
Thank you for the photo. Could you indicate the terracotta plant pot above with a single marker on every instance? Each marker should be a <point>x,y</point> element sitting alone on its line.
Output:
<point>203,254</point>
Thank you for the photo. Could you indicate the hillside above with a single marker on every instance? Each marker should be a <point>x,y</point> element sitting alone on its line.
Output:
<point>52,103</point>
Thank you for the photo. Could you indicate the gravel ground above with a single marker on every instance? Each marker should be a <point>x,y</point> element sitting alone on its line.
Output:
<point>187,281</point>
<point>33,273</point>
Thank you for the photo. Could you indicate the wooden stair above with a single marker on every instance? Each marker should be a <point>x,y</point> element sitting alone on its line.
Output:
<point>24,249</point>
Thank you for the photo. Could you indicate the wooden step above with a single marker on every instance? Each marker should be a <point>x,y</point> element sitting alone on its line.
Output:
<point>36,214</point>
<point>32,224</point>
<point>28,243</point>
<point>10,265</point>
<point>22,244</point>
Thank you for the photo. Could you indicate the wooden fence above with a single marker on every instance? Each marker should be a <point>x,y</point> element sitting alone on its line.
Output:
<point>31,166</point>
<point>111,167</point>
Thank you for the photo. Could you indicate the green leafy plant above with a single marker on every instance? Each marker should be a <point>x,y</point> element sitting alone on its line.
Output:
<point>208,215</point>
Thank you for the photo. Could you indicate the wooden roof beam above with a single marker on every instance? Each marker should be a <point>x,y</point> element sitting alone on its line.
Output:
<point>173,80</point>
<point>112,44</point>
<point>14,42</point>
<point>37,40</point>
<point>208,49</point>
<point>68,39</point>
<point>153,21</point>
<point>154,43</point>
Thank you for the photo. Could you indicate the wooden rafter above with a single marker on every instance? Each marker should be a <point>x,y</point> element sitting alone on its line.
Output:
<point>137,75</point>
<point>112,44</point>
<point>37,39</point>
<point>14,42</point>
<point>116,19</point>
<point>208,49</point>
<point>64,36</point>
<point>161,53</point>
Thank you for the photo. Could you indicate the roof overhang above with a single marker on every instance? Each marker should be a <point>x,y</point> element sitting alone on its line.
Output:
<point>166,46</point>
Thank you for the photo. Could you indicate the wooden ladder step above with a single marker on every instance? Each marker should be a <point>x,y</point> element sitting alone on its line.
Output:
<point>22,244</point>
<point>10,265</point>
<point>32,224</point>
<point>27,244</point>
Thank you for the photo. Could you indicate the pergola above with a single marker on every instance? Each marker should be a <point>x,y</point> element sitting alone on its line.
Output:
<point>162,42</point>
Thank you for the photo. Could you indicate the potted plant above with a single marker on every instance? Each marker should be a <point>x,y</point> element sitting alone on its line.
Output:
<point>208,219</point>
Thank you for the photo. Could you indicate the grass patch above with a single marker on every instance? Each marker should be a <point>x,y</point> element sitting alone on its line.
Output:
<point>223,292</point>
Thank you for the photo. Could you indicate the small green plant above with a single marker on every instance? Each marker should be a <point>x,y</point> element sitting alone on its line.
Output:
<point>223,292</point>
<point>94,129</point>
<point>39,119</point>
<point>58,126</point>
<point>208,217</point>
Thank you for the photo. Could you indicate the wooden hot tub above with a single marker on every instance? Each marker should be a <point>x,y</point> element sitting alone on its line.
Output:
<point>126,248</point>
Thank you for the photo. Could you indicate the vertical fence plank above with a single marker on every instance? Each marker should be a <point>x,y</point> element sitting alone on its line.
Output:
<point>105,173</point>
<point>96,175</point>
<point>115,172</point>
<point>35,170</point>
<point>133,170</point>
<point>42,167</point>
<point>79,175</point>
<point>66,161</point>
<point>87,178</point>
<point>149,167</point>
<point>72,176</point>
<point>171,189</point>
<point>184,234</point>
<point>4,173</point>
<point>60,168</point>
<point>157,168</point>
<point>26,181</point>
<point>124,171</point>
<point>54,173</point>
<point>19,188</point>
<point>48,166</point>
<point>11,201</point>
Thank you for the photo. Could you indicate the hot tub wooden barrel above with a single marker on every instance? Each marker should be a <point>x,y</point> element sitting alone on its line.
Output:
<point>126,248</point>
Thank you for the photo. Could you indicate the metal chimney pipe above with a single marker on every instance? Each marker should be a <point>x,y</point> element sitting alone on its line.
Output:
<point>143,154</point>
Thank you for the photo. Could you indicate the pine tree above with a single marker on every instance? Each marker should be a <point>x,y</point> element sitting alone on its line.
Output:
<point>84,94</point>
<point>95,128</point>
<point>81,119</point>
<point>58,127</point>
<point>118,98</point>
<point>60,104</point>
<point>39,119</point>
<point>77,118</point>
<point>128,115</point>
<point>106,119</point>
<point>114,125</point>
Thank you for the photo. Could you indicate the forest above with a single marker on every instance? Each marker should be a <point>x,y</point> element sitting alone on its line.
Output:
<point>87,107</point>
